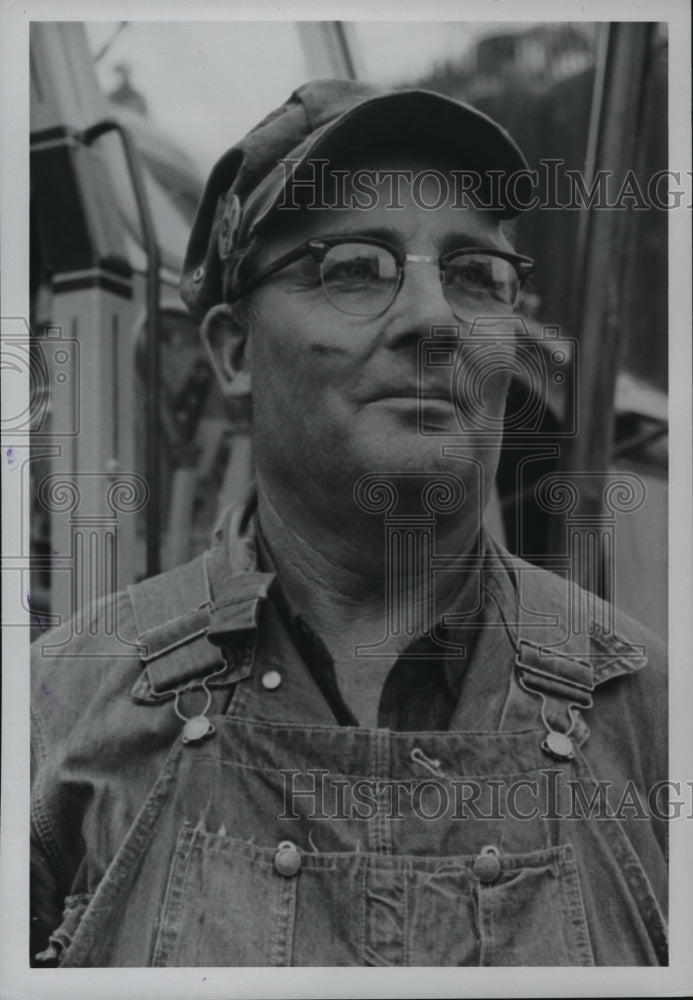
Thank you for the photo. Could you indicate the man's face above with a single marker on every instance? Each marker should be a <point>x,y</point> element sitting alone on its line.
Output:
<point>336,396</point>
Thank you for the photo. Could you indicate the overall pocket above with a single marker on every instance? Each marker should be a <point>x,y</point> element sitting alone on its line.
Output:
<point>533,912</point>
<point>227,903</point>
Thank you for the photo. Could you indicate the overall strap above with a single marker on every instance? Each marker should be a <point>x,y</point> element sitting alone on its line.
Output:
<point>547,686</point>
<point>161,599</point>
<point>197,631</point>
<point>197,626</point>
<point>561,686</point>
<point>171,614</point>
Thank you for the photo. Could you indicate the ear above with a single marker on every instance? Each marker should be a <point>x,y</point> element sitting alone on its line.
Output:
<point>224,338</point>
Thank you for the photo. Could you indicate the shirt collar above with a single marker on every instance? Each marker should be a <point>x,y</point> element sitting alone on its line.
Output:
<point>238,588</point>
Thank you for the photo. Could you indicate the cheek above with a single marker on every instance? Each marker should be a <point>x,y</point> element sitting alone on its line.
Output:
<point>301,349</point>
<point>480,383</point>
<point>274,353</point>
<point>287,380</point>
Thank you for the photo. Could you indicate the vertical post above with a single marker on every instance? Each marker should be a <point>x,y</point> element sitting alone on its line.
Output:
<point>590,538</point>
<point>153,334</point>
<point>600,267</point>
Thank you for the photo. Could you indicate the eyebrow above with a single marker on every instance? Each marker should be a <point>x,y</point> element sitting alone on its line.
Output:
<point>452,240</point>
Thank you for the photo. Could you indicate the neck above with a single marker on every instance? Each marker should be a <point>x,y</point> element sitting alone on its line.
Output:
<point>339,574</point>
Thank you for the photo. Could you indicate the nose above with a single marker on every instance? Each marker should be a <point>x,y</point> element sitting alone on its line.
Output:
<point>420,303</point>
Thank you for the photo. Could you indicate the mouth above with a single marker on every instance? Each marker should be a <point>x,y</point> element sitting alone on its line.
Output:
<point>416,394</point>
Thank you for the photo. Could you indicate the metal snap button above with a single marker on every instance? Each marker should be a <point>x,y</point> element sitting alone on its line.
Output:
<point>197,729</point>
<point>271,680</point>
<point>199,274</point>
<point>287,860</point>
<point>558,745</point>
<point>487,866</point>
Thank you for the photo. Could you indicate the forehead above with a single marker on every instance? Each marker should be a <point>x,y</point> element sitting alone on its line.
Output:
<point>404,191</point>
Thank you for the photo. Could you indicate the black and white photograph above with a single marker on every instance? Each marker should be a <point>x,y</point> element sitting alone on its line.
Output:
<point>346,461</point>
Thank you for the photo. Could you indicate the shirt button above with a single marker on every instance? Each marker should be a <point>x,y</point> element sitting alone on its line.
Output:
<point>271,680</point>
<point>287,860</point>
<point>487,866</point>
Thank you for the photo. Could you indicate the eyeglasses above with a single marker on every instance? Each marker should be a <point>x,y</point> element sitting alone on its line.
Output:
<point>362,277</point>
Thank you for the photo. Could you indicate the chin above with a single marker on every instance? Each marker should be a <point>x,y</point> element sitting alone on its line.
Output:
<point>410,464</point>
<point>416,454</point>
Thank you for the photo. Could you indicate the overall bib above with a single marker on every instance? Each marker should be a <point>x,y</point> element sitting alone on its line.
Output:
<point>270,844</point>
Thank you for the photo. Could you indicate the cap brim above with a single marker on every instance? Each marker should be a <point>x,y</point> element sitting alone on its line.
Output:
<point>456,130</point>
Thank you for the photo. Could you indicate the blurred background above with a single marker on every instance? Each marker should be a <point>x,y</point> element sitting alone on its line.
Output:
<point>126,121</point>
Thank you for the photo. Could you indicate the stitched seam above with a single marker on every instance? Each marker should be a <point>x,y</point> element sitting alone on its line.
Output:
<point>573,906</point>
<point>409,779</point>
<point>403,737</point>
<point>182,893</point>
<point>38,741</point>
<point>611,641</point>
<point>635,876</point>
<point>484,905</point>
<point>162,625</point>
<point>291,922</point>
<point>492,922</point>
<point>40,816</point>
<point>362,928</point>
<point>172,897</point>
<point>176,644</point>
<point>280,954</point>
<point>406,877</point>
<point>119,873</point>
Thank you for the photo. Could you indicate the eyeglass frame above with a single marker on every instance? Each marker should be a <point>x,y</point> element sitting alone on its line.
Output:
<point>318,249</point>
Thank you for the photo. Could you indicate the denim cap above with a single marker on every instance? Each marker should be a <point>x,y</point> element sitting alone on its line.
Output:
<point>323,120</point>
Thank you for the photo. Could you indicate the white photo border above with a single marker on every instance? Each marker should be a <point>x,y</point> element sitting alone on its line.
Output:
<point>16,978</point>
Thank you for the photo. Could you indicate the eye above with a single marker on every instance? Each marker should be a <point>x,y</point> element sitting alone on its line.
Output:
<point>360,279</point>
<point>351,267</point>
<point>471,272</point>
<point>482,276</point>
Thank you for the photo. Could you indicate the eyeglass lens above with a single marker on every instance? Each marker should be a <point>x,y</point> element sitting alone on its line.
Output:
<point>362,280</point>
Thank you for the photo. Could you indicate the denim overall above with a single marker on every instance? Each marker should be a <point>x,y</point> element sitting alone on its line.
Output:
<point>271,844</point>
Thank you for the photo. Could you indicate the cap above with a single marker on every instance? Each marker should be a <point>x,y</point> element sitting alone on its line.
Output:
<point>323,120</point>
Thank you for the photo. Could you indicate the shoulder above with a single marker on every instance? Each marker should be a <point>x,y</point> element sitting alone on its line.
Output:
<point>83,672</point>
<point>96,649</point>
<point>555,612</point>
<point>628,661</point>
<point>97,748</point>
<point>568,609</point>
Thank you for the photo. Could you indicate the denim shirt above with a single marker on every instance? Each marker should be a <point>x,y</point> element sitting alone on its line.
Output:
<point>196,800</point>
<point>422,689</point>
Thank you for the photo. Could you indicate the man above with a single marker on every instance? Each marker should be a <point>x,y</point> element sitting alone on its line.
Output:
<point>355,732</point>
